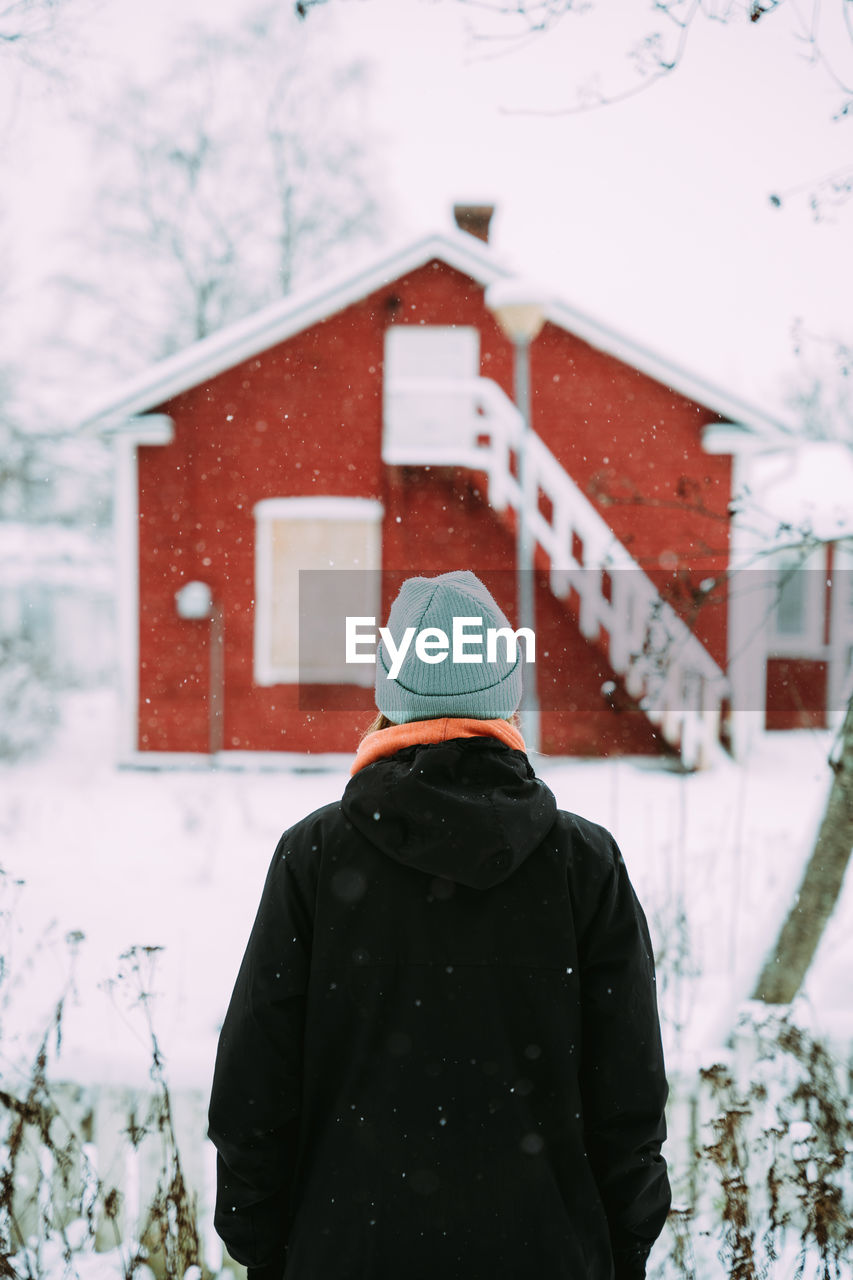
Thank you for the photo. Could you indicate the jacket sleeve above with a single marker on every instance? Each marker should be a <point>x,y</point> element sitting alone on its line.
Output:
<point>623,1079</point>
<point>255,1098</point>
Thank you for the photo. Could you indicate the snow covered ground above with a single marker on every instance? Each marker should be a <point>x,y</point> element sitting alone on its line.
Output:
<point>176,859</point>
<point>115,858</point>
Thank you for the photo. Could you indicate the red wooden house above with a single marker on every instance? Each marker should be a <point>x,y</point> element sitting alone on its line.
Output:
<point>368,424</point>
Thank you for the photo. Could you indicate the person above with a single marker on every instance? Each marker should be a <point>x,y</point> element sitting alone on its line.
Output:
<point>442,1055</point>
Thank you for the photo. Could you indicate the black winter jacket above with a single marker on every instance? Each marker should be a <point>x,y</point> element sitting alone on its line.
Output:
<point>442,1055</point>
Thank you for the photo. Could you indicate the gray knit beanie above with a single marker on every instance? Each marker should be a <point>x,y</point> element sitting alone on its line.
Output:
<point>429,690</point>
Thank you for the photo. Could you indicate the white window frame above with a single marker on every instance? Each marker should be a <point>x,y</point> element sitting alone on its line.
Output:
<point>809,641</point>
<point>309,509</point>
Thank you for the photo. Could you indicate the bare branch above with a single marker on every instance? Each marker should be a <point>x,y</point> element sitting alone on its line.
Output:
<point>526,19</point>
<point>212,215</point>
<point>824,193</point>
<point>24,20</point>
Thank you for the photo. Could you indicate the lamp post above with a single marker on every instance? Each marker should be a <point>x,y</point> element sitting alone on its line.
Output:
<point>519,309</point>
<point>195,602</point>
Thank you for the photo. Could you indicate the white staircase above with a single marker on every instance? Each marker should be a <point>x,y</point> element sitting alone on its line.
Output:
<point>472,423</point>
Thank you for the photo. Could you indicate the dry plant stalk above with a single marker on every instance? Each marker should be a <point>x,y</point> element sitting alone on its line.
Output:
<point>775,1172</point>
<point>52,1201</point>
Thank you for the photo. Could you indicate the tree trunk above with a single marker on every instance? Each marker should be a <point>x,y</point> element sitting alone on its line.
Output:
<point>788,962</point>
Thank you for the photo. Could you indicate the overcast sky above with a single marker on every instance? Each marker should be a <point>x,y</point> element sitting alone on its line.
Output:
<point>652,214</point>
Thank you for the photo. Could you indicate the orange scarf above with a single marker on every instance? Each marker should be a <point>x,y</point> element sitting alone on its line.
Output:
<point>385,742</point>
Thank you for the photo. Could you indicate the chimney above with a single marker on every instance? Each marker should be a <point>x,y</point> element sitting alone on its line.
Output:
<point>475,219</point>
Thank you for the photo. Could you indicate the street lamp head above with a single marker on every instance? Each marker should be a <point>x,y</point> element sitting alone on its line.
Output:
<point>519,308</point>
<point>194,601</point>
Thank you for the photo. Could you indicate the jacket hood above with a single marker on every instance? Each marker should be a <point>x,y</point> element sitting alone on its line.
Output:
<point>470,810</point>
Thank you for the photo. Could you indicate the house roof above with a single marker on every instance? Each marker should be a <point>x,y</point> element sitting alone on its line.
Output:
<point>298,311</point>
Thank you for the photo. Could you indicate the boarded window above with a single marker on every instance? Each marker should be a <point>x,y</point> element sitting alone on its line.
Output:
<point>431,351</point>
<point>429,411</point>
<point>339,541</point>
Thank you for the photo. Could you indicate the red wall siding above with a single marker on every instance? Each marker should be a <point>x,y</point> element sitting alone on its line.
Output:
<point>305,418</point>
<point>576,717</point>
<point>796,693</point>
<point>634,447</point>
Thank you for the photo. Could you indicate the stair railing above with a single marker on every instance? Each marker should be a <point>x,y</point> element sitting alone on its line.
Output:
<point>472,423</point>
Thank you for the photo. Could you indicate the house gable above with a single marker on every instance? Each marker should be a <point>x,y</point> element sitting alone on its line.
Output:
<point>302,416</point>
<point>263,330</point>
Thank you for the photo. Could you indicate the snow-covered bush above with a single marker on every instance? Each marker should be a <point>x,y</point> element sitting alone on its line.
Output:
<point>54,476</point>
<point>27,700</point>
<point>93,1183</point>
<point>58,1216</point>
<point>676,966</point>
<point>771,1190</point>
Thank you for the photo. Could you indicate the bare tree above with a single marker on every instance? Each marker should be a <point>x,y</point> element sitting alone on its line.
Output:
<point>636,63</point>
<point>822,398</point>
<point>242,171</point>
<point>788,963</point>
<point>36,36</point>
<point>824,410</point>
<point>25,21</point>
<point>661,49</point>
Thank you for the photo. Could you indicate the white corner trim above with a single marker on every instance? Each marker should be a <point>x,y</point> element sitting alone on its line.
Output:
<point>737,437</point>
<point>262,673</point>
<point>145,428</point>
<point>155,429</point>
<point>127,593</point>
<point>726,437</point>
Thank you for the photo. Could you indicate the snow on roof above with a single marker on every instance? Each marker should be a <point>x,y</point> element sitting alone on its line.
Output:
<point>280,320</point>
<point>808,489</point>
